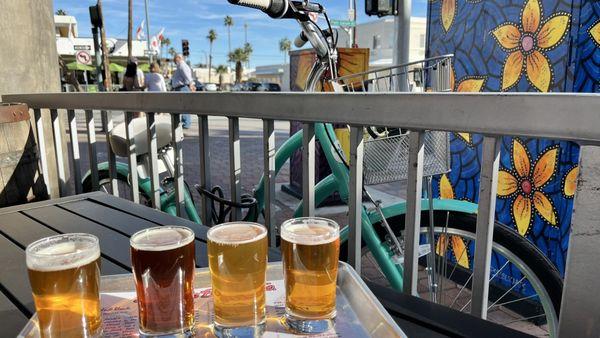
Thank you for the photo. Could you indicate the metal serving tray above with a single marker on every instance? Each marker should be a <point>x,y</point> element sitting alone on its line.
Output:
<point>359,313</point>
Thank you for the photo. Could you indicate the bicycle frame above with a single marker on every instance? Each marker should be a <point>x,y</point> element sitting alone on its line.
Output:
<point>168,201</point>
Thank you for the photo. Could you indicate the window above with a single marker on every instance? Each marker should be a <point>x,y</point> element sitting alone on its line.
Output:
<point>422,40</point>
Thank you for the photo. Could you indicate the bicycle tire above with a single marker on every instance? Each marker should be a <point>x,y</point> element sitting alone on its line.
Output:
<point>537,262</point>
<point>104,175</point>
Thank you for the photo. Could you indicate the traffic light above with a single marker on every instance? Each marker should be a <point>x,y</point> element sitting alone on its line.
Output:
<point>95,16</point>
<point>380,7</point>
<point>185,47</point>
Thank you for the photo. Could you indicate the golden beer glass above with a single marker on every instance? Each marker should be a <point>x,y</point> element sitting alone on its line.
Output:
<point>237,258</point>
<point>64,273</point>
<point>163,262</point>
<point>310,247</point>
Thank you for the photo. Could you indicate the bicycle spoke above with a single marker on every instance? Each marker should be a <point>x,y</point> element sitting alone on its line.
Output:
<point>461,290</point>
<point>513,301</point>
<point>507,292</point>
<point>523,319</point>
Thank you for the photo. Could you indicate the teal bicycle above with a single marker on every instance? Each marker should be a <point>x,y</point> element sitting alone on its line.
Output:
<point>523,282</point>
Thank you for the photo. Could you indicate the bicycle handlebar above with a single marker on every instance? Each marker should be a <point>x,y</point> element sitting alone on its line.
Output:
<point>276,9</point>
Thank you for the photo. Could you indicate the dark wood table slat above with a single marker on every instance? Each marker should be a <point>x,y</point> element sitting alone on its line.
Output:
<point>24,231</point>
<point>13,276</point>
<point>13,320</point>
<point>113,245</point>
<point>126,223</point>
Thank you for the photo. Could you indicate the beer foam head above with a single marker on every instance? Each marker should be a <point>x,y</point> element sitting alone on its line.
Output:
<point>236,233</point>
<point>62,252</point>
<point>310,230</point>
<point>161,238</point>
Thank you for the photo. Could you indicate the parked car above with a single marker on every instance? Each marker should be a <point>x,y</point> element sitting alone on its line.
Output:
<point>252,86</point>
<point>199,86</point>
<point>271,87</point>
<point>211,87</point>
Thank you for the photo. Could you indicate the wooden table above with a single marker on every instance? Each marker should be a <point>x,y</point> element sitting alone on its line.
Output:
<point>111,219</point>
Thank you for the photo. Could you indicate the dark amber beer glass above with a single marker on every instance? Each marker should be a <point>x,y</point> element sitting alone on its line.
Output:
<point>64,272</point>
<point>237,258</point>
<point>310,247</point>
<point>163,261</point>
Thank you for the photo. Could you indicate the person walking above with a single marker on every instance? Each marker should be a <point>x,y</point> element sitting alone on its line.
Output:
<point>154,80</point>
<point>181,82</point>
<point>133,80</point>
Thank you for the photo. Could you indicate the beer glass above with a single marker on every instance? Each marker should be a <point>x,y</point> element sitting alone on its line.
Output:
<point>64,272</point>
<point>237,258</point>
<point>310,247</point>
<point>163,262</point>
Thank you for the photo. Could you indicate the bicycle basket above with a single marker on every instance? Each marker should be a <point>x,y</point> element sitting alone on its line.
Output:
<point>386,157</point>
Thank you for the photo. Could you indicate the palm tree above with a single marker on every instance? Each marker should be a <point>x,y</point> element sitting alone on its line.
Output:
<point>61,12</point>
<point>166,42</point>
<point>228,23</point>
<point>239,56</point>
<point>285,45</point>
<point>248,49</point>
<point>221,70</point>
<point>130,30</point>
<point>212,36</point>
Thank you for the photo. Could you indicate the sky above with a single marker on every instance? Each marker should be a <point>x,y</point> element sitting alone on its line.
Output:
<point>192,19</point>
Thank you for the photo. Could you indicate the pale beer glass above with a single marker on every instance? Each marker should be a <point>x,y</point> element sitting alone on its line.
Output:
<point>163,262</point>
<point>64,273</point>
<point>237,258</point>
<point>310,247</point>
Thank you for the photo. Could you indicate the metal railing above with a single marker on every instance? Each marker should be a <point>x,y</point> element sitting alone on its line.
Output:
<point>574,117</point>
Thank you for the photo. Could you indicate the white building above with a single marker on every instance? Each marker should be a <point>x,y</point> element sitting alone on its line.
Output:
<point>68,42</point>
<point>279,73</point>
<point>378,36</point>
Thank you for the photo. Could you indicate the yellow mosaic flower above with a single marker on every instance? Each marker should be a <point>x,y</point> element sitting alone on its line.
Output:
<point>471,83</point>
<point>570,182</point>
<point>523,184</point>
<point>459,248</point>
<point>594,32</point>
<point>526,43</point>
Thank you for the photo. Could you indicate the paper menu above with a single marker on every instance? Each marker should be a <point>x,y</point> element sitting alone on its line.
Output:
<point>119,314</point>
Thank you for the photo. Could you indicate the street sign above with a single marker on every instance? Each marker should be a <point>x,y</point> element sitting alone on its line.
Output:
<point>82,47</point>
<point>149,52</point>
<point>83,57</point>
<point>343,23</point>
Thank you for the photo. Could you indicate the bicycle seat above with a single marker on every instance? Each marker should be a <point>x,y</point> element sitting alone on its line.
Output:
<point>118,138</point>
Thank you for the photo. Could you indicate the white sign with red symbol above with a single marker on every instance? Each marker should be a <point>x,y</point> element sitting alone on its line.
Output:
<point>83,57</point>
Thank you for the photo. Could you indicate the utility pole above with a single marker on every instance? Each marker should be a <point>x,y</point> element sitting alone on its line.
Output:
<point>148,33</point>
<point>107,79</point>
<point>402,39</point>
<point>352,17</point>
<point>95,20</point>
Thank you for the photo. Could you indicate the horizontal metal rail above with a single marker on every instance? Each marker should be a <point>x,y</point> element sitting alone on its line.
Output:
<point>573,117</point>
<point>560,116</point>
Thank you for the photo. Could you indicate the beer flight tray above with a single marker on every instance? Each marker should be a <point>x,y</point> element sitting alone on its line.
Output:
<point>359,313</point>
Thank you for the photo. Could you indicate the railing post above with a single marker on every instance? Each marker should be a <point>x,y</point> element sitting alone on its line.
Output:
<point>308,169</point>
<point>486,212</point>
<point>269,175</point>
<point>580,299</point>
<point>39,129</point>
<point>74,150</point>
<point>153,160</point>
<point>93,156</point>
<point>177,134</point>
<point>204,164</point>
<point>107,125</point>
<point>412,226</point>
<point>355,198</point>
<point>235,165</point>
<point>132,158</point>
<point>58,152</point>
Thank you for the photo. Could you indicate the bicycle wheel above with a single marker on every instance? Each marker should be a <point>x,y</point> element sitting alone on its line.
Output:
<point>123,186</point>
<point>525,287</point>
